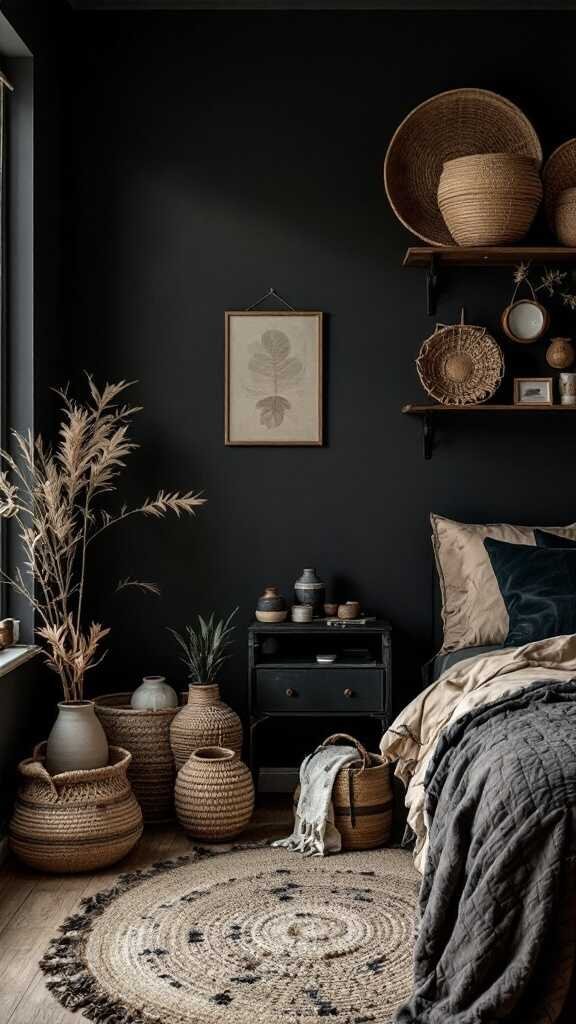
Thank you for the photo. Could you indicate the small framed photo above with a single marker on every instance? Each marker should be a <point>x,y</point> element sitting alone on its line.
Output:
<point>273,378</point>
<point>533,391</point>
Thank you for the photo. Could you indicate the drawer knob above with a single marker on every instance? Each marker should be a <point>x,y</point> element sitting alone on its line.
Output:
<point>290,692</point>
<point>348,692</point>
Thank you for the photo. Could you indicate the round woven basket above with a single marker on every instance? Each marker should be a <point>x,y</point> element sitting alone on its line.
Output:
<point>452,124</point>
<point>205,721</point>
<point>559,173</point>
<point>460,364</point>
<point>565,217</point>
<point>74,821</point>
<point>489,199</point>
<point>146,734</point>
<point>214,794</point>
<point>362,798</point>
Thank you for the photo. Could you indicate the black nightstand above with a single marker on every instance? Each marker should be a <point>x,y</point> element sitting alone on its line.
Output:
<point>286,681</point>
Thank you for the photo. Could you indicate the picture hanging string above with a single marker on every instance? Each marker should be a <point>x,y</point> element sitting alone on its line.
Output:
<point>271,293</point>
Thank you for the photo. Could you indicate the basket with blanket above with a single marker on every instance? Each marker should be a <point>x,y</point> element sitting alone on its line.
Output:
<point>344,800</point>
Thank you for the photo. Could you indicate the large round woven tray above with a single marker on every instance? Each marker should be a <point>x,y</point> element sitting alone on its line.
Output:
<point>460,364</point>
<point>452,124</point>
<point>559,174</point>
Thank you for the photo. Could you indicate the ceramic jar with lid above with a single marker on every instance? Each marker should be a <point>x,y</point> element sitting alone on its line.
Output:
<point>309,589</point>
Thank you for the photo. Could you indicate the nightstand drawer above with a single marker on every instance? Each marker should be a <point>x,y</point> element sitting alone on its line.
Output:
<point>330,690</point>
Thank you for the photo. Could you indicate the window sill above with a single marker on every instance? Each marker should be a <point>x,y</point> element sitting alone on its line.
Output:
<point>13,657</point>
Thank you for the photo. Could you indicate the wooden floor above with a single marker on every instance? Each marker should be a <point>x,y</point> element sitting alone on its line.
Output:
<point>32,906</point>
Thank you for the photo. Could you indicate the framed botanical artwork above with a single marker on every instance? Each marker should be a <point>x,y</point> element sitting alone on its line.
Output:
<point>533,391</point>
<point>274,372</point>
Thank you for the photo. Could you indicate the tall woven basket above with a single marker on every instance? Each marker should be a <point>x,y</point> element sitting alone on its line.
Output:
<point>205,721</point>
<point>362,798</point>
<point>146,734</point>
<point>74,821</point>
<point>214,794</point>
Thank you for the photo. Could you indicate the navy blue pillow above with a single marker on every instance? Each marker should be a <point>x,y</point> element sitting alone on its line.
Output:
<point>552,540</point>
<point>538,586</point>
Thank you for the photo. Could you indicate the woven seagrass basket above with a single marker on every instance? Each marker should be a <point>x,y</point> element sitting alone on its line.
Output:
<point>559,173</point>
<point>362,797</point>
<point>205,721</point>
<point>460,364</point>
<point>565,217</point>
<point>146,734</point>
<point>452,124</point>
<point>74,821</point>
<point>214,794</point>
<point>489,198</point>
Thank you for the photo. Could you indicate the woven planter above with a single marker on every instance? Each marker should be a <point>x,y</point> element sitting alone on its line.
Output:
<point>460,364</point>
<point>205,721</point>
<point>74,821</point>
<point>452,124</point>
<point>565,217</point>
<point>558,175</point>
<point>214,794</point>
<point>146,734</point>
<point>489,199</point>
<point>362,798</point>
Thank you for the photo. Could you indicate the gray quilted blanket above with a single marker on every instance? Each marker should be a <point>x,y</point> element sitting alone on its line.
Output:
<point>497,926</point>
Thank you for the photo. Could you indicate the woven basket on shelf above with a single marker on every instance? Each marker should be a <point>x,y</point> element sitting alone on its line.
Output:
<point>490,198</point>
<point>452,124</point>
<point>559,173</point>
<point>146,734</point>
<point>205,721</point>
<point>362,798</point>
<point>460,364</point>
<point>74,821</point>
<point>565,217</point>
<point>214,794</point>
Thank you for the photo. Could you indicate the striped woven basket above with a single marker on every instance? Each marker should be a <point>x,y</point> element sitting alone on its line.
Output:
<point>146,734</point>
<point>214,794</point>
<point>362,798</point>
<point>74,821</point>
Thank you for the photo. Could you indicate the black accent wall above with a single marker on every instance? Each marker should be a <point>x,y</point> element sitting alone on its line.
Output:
<point>209,156</point>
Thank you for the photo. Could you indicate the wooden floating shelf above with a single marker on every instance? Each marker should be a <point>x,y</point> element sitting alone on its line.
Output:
<point>429,412</point>
<point>486,256</point>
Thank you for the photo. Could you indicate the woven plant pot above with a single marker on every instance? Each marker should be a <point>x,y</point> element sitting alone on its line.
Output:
<point>489,199</point>
<point>146,734</point>
<point>74,821</point>
<point>362,798</point>
<point>214,794</point>
<point>205,721</point>
<point>565,217</point>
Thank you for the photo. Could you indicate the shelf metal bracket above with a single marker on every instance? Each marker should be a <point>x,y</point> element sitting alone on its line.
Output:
<point>431,285</point>
<point>427,435</point>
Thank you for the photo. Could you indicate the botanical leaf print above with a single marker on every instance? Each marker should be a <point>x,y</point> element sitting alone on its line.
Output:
<point>273,409</point>
<point>273,369</point>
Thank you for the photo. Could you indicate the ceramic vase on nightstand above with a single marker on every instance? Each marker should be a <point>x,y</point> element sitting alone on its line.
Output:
<point>309,589</point>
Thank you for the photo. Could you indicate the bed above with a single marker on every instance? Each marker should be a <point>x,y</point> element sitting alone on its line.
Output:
<point>487,753</point>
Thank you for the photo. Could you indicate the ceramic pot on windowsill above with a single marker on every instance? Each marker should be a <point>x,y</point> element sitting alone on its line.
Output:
<point>77,740</point>
<point>205,721</point>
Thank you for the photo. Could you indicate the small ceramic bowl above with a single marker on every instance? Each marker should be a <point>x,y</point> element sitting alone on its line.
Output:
<point>325,659</point>
<point>302,613</point>
<point>330,610</point>
<point>350,610</point>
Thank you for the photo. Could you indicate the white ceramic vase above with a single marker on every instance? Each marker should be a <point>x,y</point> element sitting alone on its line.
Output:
<point>154,694</point>
<point>77,740</point>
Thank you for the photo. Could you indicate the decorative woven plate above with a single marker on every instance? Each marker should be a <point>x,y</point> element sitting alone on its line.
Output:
<point>559,173</point>
<point>452,124</point>
<point>460,364</point>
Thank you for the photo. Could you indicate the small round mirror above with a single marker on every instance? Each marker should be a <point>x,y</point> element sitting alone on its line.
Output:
<point>524,321</point>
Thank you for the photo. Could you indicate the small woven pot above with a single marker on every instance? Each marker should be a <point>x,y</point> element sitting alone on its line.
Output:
<point>214,794</point>
<point>565,217</point>
<point>74,821</point>
<point>489,199</point>
<point>362,798</point>
<point>146,734</point>
<point>205,721</point>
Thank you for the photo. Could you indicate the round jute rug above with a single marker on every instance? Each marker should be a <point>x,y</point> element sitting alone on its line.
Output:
<point>253,936</point>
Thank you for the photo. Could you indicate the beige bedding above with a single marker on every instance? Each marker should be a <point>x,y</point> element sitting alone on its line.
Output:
<point>411,739</point>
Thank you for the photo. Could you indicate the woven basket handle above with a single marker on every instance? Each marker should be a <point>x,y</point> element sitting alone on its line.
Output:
<point>34,768</point>
<point>334,739</point>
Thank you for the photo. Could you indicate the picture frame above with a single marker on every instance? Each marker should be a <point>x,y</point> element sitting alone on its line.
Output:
<point>533,391</point>
<point>274,366</point>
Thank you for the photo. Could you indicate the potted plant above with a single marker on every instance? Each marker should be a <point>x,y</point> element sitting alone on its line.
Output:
<point>205,720</point>
<point>58,498</point>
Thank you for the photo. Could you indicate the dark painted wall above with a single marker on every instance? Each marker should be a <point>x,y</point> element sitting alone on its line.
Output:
<point>208,157</point>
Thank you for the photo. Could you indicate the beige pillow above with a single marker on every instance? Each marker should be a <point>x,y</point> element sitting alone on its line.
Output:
<point>473,611</point>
